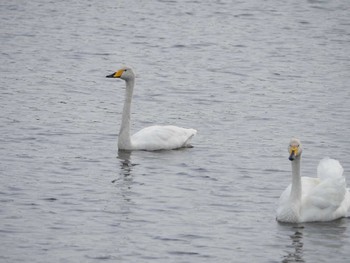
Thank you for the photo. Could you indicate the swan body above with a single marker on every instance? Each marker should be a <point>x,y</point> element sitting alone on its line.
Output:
<point>152,138</point>
<point>308,199</point>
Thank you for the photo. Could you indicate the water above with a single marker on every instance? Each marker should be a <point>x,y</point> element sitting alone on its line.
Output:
<point>248,75</point>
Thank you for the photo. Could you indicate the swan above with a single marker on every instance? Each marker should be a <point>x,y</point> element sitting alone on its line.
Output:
<point>152,138</point>
<point>308,199</point>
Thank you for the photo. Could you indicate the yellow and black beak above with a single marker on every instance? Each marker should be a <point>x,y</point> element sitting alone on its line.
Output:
<point>116,74</point>
<point>293,151</point>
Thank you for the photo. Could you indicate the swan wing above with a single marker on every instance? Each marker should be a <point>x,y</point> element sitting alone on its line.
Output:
<point>327,201</point>
<point>330,189</point>
<point>284,198</point>
<point>329,193</point>
<point>308,184</point>
<point>329,168</point>
<point>162,138</point>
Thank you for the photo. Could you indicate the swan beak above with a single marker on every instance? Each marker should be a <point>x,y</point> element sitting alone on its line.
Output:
<point>116,74</point>
<point>293,152</point>
<point>110,76</point>
<point>291,156</point>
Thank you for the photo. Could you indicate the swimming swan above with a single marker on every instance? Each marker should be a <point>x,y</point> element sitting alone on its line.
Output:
<point>151,138</point>
<point>307,199</point>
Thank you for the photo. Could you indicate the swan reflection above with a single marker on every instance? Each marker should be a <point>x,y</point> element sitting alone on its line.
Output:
<point>320,235</point>
<point>297,245</point>
<point>126,166</point>
<point>125,163</point>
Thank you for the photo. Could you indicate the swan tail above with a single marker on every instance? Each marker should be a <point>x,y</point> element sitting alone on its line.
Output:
<point>187,142</point>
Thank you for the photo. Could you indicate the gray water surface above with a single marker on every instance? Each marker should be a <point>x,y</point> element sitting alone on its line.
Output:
<point>248,75</point>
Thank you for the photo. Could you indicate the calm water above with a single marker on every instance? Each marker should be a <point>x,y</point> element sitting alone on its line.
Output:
<point>248,75</point>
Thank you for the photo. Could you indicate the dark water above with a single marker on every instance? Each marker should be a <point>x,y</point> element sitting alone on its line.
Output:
<point>248,75</point>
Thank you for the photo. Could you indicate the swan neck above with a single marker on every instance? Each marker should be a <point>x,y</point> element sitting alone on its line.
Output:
<point>124,140</point>
<point>296,180</point>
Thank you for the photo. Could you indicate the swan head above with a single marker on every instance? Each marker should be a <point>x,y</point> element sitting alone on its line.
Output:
<point>124,73</point>
<point>294,149</point>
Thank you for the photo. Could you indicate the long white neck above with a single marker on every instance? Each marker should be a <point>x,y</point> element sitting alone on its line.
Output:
<point>124,141</point>
<point>295,193</point>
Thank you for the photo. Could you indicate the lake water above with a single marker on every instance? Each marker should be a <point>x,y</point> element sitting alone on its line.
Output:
<point>248,75</point>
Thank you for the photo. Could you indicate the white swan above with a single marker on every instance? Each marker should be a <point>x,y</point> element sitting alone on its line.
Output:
<point>151,138</point>
<point>307,199</point>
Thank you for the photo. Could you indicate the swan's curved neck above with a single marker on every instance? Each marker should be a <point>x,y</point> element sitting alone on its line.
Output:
<point>124,141</point>
<point>295,194</point>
